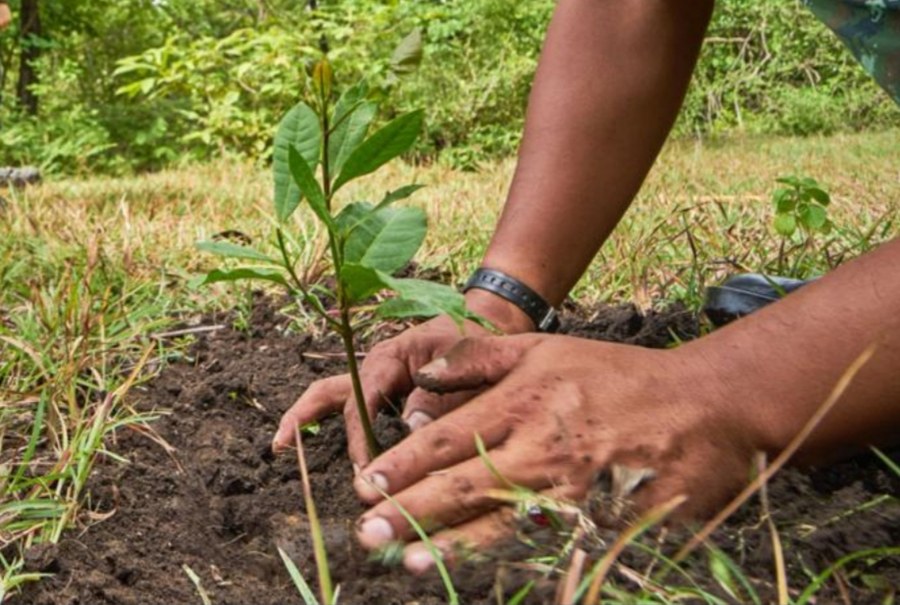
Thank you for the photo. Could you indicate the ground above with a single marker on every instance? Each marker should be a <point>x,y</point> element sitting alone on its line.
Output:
<point>206,492</point>
<point>93,271</point>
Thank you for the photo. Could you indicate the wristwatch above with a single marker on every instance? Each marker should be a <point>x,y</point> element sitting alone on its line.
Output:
<point>544,316</point>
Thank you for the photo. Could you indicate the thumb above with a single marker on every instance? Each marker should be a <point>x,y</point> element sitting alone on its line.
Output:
<point>474,363</point>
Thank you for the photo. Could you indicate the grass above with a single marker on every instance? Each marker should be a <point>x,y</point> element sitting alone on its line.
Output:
<point>90,270</point>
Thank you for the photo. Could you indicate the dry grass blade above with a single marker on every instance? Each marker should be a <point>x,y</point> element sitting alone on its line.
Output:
<point>315,528</point>
<point>573,578</point>
<point>187,332</point>
<point>652,517</point>
<point>195,580</point>
<point>777,549</point>
<point>836,393</point>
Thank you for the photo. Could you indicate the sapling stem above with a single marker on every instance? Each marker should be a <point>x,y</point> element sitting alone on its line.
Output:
<point>346,325</point>
<point>372,445</point>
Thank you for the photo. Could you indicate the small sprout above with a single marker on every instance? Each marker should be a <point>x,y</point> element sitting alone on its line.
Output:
<point>803,204</point>
<point>311,428</point>
<point>391,554</point>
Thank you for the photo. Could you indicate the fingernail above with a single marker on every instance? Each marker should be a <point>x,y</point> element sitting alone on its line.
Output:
<point>417,420</point>
<point>356,470</point>
<point>436,366</point>
<point>371,487</point>
<point>418,560</point>
<point>375,532</point>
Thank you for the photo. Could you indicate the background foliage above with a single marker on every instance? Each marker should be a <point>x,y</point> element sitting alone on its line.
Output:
<point>144,84</point>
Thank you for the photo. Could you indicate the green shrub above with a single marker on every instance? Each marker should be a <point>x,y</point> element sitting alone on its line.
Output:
<point>198,78</point>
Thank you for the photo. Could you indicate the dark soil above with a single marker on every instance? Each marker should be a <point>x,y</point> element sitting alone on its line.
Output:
<point>220,503</point>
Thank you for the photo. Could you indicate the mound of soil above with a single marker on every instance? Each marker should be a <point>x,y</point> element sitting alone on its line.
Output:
<point>207,494</point>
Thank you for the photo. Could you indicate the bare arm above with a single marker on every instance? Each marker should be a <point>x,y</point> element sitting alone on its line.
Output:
<point>611,80</point>
<point>780,365</point>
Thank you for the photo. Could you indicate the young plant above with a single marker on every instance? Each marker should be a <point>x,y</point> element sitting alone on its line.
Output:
<point>802,204</point>
<point>320,147</point>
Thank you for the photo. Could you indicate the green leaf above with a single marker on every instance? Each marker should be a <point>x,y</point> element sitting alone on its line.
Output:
<point>820,195</point>
<point>309,187</point>
<point>390,141</point>
<point>420,298</point>
<point>784,200</point>
<point>808,183</point>
<point>387,239</point>
<point>786,224</point>
<point>351,216</point>
<point>348,102</point>
<point>218,275</point>
<point>233,251</point>
<point>298,129</point>
<point>408,54</point>
<point>789,180</point>
<point>361,282</point>
<point>352,116</point>
<point>812,216</point>
<point>300,583</point>
<point>313,301</point>
<point>398,194</point>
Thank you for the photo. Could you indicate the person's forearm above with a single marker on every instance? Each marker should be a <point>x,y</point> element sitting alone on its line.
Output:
<point>780,364</point>
<point>611,79</point>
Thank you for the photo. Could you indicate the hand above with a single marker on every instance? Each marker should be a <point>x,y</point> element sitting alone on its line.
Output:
<point>559,411</point>
<point>387,373</point>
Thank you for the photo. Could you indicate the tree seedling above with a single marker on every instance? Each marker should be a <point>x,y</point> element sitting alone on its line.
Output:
<point>802,204</point>
<point>320,147</point>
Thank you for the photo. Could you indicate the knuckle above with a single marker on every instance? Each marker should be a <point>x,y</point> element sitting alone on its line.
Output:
<point>316,390</point>
<point>387,348</point>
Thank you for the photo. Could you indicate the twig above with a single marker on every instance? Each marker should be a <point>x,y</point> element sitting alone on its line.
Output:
<point>187,331</point>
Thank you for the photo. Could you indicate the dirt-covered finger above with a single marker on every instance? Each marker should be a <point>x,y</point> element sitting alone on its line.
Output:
<point>455,544</point>
<point>323,397</point>
<point>475,362</point>
<point>448,498</point>
<point>441,444</point>
<point>423,407</point>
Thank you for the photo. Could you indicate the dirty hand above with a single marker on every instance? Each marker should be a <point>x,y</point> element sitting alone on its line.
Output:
<point>559,411</point>
<point>387,373</point>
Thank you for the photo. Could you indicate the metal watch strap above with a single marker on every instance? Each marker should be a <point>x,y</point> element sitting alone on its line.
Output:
<point>541,313</point>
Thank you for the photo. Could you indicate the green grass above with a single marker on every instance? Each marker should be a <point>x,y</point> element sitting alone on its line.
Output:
<point>89,270</point>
